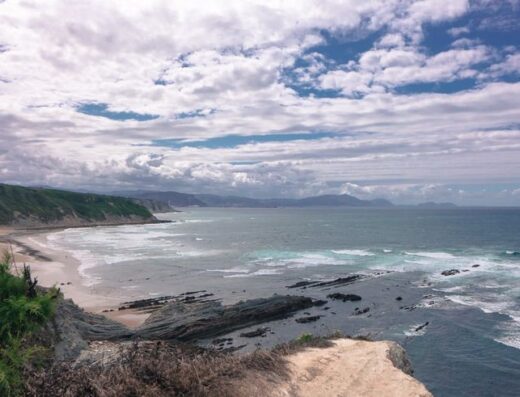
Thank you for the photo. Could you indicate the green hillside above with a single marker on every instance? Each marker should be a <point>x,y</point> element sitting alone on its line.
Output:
<point>19,204</point>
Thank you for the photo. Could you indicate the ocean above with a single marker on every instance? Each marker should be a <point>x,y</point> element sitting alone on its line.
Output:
<point>471,343</point>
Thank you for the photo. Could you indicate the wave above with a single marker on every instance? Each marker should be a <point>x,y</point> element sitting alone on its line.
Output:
<point>236,269</point>
<point>298,260</point>
<point>353,252</point>
<point>432,255</point>
<point>259,272</point>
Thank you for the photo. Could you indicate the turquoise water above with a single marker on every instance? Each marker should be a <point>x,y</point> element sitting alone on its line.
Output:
<point>471,346</point>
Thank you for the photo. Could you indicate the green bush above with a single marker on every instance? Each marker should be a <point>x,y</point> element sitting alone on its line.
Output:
<point>23,310</point>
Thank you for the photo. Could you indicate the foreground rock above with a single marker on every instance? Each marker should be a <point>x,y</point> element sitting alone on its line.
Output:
<point>187,322</point>
<point>351,368</point>
<point>72,328</point>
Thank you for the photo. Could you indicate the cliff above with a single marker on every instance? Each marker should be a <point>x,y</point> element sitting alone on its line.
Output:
<point>31,207</point>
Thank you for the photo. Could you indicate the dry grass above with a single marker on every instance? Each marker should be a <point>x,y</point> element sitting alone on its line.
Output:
<point>160,369</point>
<point>157,370</point>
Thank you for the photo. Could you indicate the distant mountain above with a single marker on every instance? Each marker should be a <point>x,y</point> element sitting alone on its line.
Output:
<point>176,199</point>
<point>30,207</point>
<point>173,199</point>
<point>433,205</point>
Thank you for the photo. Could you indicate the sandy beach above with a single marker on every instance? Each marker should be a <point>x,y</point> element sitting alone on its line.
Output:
<point>60,269</point>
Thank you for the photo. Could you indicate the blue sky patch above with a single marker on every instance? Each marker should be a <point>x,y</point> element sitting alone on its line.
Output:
<point>101,110</point>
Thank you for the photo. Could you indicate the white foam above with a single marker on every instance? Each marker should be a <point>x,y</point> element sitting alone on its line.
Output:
<point>301,260</point>
<point>259,272</point>
<point>353,252</point>
<point>491,303</point>
<point>433,255</point>
<point>312,259</point>
<point>266,272</point>
<point>387,251</point>
<point>236,269</point>
<point>510,334</point>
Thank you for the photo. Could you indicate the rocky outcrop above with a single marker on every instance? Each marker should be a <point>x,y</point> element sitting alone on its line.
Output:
<point>72,328</point>
<point>187,322</point>
<point>351,368</point>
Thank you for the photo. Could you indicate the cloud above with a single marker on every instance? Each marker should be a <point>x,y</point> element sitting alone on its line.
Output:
<point>206,71</point>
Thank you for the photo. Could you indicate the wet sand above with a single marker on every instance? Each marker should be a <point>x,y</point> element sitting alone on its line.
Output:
<point>60,269</point>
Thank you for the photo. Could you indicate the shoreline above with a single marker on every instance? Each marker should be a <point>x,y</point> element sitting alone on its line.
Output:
<point>60,268</point>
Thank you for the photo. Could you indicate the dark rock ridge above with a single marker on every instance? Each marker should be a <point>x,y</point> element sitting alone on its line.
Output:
<point>308,319</point>
<point>72,328</point>
<point>344,297</point>
<point>332,283</point>
<point>187,322</point>
<point>152,304</point>
<point>262,331</point>
<point>422,326</point>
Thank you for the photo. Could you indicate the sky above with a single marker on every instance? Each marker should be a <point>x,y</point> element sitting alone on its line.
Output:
<point>408,100</point>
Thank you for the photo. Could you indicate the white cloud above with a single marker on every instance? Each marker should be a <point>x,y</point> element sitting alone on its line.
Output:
<point>458,31</point>
<point>225,63</point>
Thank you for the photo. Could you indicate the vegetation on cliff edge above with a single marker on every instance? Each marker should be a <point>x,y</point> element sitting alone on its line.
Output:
<point>49,205</point>
<point>23,310</point>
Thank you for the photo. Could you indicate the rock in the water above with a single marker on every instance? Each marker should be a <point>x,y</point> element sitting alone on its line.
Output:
<point>185,322</point>
<point>219,341</point>
<point>476,265</point>
<point>358,311</point>
<point>399,298</point>
<point>257,332</point>
<point>308,319</point>
<point>450,272</point>
<point>344,297</point>
<point>422,326</point>
<point>331,283</point>
<point>320,302</point>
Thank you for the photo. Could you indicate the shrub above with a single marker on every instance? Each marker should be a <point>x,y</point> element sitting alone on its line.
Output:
<point>22,311</point>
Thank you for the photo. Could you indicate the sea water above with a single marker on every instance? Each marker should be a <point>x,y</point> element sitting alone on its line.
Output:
<point>471,346</point>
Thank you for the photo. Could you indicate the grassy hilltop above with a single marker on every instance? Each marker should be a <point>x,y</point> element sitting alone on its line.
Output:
<point>22,205</point>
